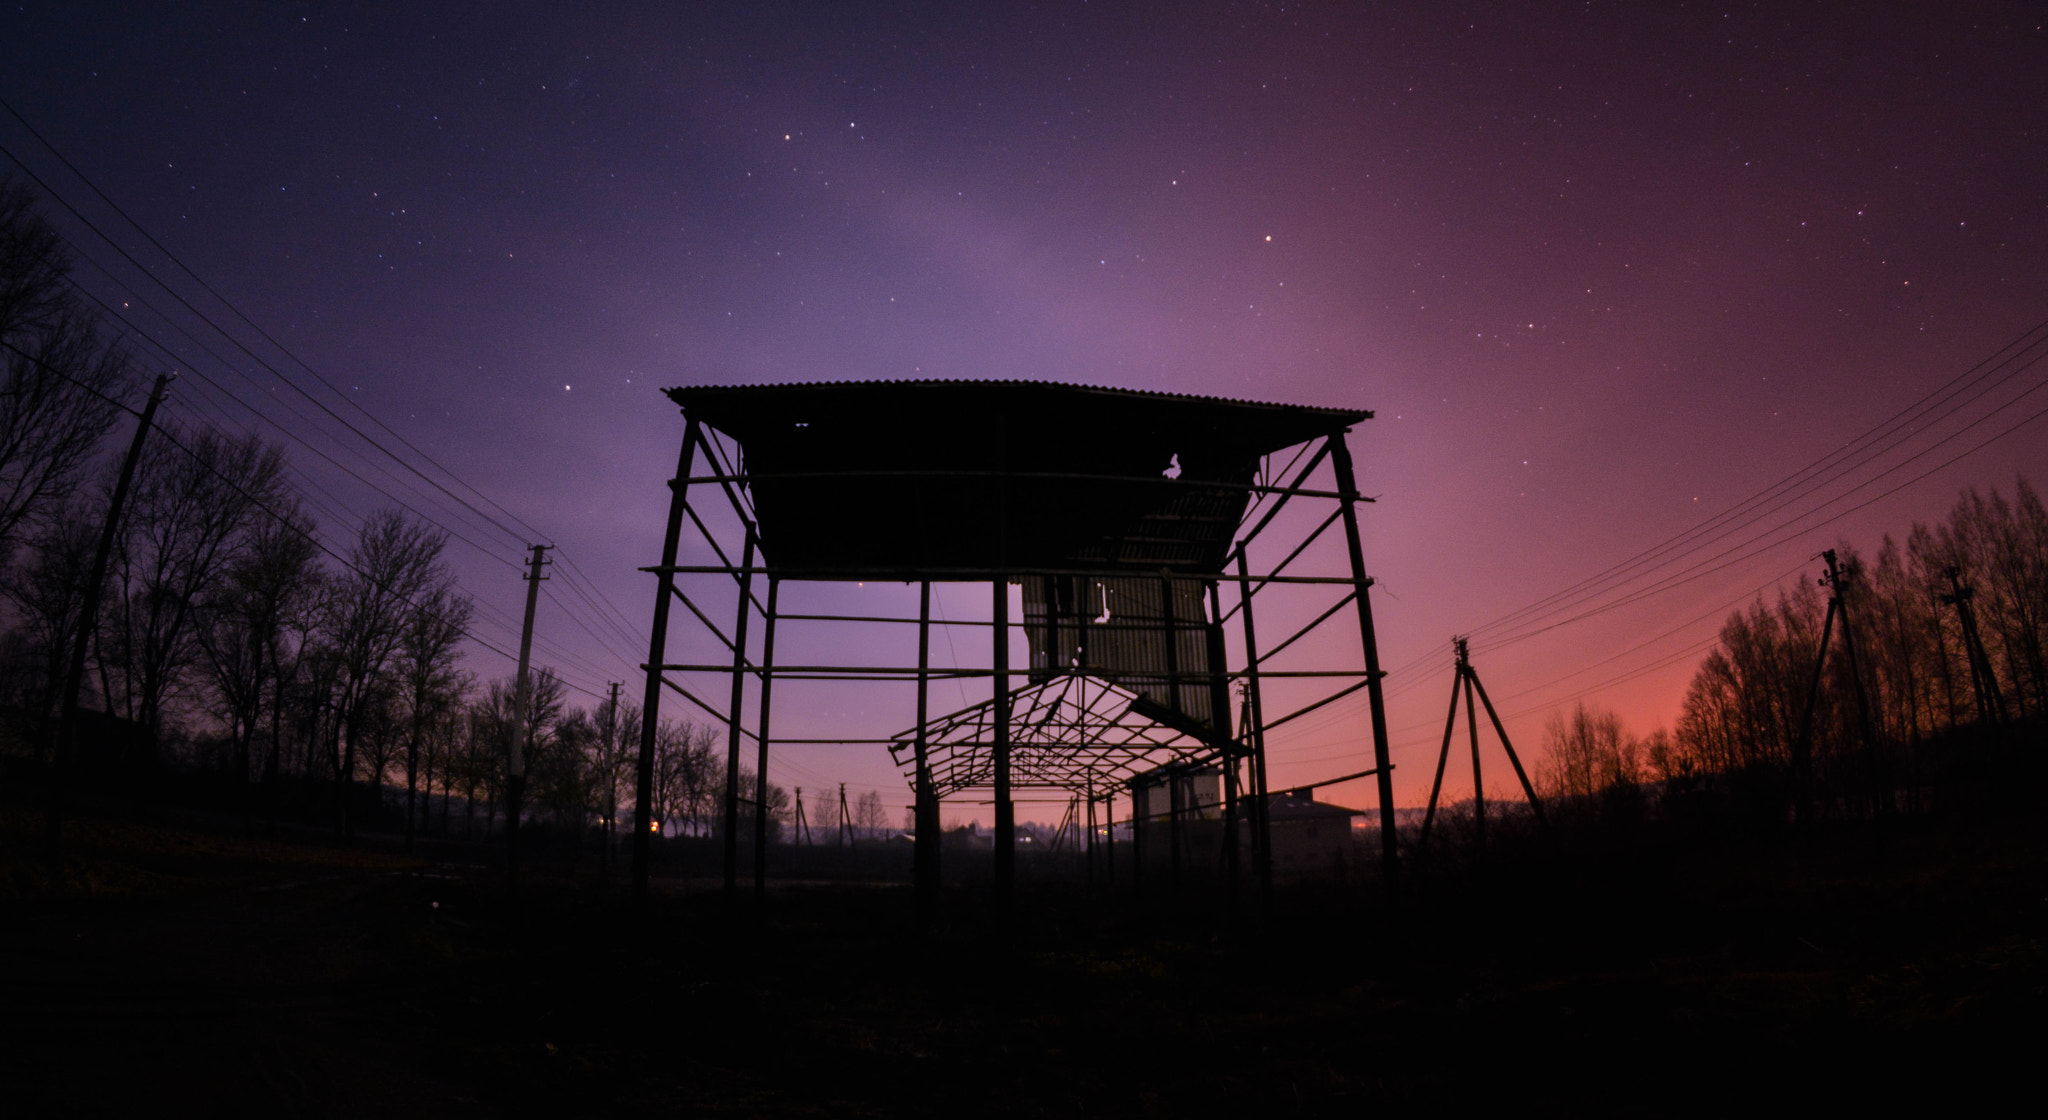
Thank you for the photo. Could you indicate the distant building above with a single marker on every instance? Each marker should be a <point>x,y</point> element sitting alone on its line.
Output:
<point>1311,839</point>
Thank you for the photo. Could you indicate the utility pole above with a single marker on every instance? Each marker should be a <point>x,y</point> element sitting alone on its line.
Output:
<point>1983,682</point>
<point>1467,679</point>
<point>88,620</point>
<point>611,777</point>
<point>515,777</point>
<point>1802,747</point>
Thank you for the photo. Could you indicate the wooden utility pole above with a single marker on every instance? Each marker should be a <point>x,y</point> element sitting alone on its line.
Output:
<point>1983,681</point>
<point>66,748</point>
<point>1802,747</point>
<point>1466,679</point>
<point>515,770</point>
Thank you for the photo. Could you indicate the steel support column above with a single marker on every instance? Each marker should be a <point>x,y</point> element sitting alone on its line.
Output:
<point>657,650</point>
<point>1006,813</point>
<point>1109,839</point>
<point>1089,850</point>
<point>1255,735</point>
<point>1347,490</point>
<point>761,744</point>
<point>732,726</point>
<point>926,856</point>
<point>1226,744</point>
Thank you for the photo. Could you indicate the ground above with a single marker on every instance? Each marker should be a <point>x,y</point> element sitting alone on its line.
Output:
<point>188,965</point>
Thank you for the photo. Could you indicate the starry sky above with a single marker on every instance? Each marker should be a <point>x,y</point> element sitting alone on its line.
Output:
<point>1604,272</point>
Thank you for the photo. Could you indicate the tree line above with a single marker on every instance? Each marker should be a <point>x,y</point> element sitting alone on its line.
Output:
<point>232,639</point>
<point>1938,646</point>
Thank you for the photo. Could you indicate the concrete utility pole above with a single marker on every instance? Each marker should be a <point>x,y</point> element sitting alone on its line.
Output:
<point>88,619</point>
<point>611,777</point>
<point>515,770</point>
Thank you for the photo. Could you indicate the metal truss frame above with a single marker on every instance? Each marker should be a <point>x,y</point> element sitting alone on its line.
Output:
<point>1083,737</point>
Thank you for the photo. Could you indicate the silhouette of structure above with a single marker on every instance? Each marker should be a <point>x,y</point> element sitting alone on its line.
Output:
<point>1836,581</point>
<point>1466,679</point>
<point>1142,529</point>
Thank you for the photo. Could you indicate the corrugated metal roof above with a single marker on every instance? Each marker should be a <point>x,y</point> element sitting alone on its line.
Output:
<point>1355,414</point>
<point>925,476</point>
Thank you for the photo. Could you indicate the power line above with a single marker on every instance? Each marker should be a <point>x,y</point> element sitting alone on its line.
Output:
<point>265,335</point>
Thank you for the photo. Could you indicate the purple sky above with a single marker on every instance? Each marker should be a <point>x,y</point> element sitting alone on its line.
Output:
<point>1602,270</point>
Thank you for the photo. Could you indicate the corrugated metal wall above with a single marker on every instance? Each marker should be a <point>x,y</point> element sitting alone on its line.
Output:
<point>1116,628</point>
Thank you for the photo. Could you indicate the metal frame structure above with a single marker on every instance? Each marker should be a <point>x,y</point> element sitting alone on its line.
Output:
<point>1079,494</point>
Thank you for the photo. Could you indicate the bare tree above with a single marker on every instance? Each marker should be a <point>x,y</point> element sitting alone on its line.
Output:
<point>559,759</point>
<point>59,380</point>
<point>242,622</point>
<point>48,592</point>
<point>554,764</point>
<point>429,648</point>
<point>612,769</point>
<point>395,564</point>
<point>196,494</point>
<point>825,813</point>
<point>687,777</point>
<point>380,732</point>
<point>870,819</point>
<point>1920,668</point>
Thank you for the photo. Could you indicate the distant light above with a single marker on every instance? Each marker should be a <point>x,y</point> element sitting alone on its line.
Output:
<point>1269,237</point>
<point>654,827</point>
<point>565,388</point>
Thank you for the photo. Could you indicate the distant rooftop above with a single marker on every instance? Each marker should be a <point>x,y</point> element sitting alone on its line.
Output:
<point>921,477</point>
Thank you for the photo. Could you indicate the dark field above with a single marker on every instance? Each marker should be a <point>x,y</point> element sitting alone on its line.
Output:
<point>187,968</point>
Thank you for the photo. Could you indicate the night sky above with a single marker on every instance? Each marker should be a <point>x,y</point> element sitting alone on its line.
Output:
<point>1603,271</point>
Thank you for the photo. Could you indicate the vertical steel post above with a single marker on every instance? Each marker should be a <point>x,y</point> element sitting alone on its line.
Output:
<point>1166,615</point>
<point>1109,838</point>
<point>732,726</point>
<point>926,857</point>
<point>657,650</point>
<point>761,745</point>
<point>1347,489</point>
<point>1225,742</point>
<point>1262,829</point>
<point>1006,814</point>
<point>1089,850</point>
<point>1176,806</point>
